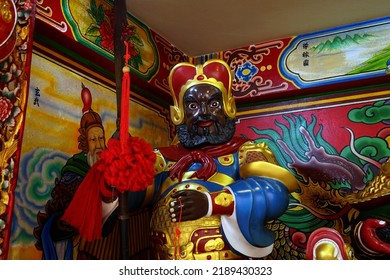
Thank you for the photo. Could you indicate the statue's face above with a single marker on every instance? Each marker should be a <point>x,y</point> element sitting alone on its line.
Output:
<point>204,118</point>
<point>203,108</point>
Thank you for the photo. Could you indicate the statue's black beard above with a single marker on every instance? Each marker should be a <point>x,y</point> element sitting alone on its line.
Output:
<point>190,138</point>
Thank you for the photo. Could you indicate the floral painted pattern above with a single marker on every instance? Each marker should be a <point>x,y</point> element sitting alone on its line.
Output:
<point>13,76</point>
<point>9,107</point>
<point>102,29</point>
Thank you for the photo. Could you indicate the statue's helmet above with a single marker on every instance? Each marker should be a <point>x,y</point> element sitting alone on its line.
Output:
<point>185,75</point>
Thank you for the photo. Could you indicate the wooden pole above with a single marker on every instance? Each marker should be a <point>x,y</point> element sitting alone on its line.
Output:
<point>120,14</point>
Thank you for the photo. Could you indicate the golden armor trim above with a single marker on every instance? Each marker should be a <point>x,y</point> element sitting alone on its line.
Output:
<point>218,255</point>
<point>252,146</point>
<point>216,244</point>
<point>159,165</point>
<point>218,178</point>
<point>226,160</point>
<point>224,199</point>
<point>269,170</point>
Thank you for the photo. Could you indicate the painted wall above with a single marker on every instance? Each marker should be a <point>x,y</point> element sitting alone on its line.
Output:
<point>52,120</point>
<point>314,138</point>
<point>86,27</point>
<point>319,100</point>
<point>334,59</point>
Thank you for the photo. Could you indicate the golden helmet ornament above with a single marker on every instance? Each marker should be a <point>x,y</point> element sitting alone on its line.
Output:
<point>185,75</point>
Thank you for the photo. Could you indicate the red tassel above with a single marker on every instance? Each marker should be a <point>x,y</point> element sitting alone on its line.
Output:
<point>125,103</point>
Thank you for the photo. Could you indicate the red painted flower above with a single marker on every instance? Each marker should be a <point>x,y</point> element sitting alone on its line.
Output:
<point>5,108</point>
<point>102,31</point>
<point>106,32</point>
<point>28,5</point>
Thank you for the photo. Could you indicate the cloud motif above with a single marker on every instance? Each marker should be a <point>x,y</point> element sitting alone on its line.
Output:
<point>37,173</point>
<point>378,112</point>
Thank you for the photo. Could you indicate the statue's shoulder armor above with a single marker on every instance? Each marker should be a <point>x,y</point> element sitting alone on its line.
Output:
<point>160,164</point>
<point>252,151</point>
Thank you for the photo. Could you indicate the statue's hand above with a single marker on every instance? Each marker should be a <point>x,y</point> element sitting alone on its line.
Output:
<point>188,205</point>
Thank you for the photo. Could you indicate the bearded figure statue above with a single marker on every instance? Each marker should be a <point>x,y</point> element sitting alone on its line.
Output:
<point>213,191</point>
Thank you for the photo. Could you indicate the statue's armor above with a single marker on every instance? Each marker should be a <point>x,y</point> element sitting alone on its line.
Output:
<point>198,239</point>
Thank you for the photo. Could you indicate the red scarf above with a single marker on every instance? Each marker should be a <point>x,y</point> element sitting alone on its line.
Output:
<point>186,157</point>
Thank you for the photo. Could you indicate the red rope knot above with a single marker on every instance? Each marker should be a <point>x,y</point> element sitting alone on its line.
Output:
<point>206,170</point>
<point>197,155</point>
<point>127,55</point>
